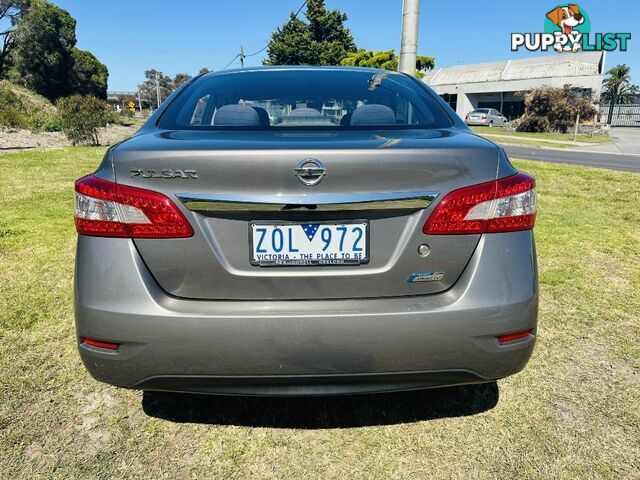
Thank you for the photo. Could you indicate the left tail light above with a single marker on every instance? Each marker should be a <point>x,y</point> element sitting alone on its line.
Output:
<point>108,209</point>
<point>504,205</point>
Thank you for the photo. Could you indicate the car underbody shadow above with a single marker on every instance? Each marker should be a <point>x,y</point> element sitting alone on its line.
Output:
<point>323,412</point>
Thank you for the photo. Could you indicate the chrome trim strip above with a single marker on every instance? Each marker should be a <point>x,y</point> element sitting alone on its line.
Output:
<point>318,202</point>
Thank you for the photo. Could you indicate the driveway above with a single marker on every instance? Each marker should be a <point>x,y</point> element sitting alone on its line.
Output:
<point>627,139</point>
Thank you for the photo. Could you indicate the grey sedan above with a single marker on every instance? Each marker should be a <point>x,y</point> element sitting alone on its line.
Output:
<point>488,117</point>
<point>304,231</point>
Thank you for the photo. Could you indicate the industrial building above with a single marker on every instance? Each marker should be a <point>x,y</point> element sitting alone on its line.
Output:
<point>495,84</point>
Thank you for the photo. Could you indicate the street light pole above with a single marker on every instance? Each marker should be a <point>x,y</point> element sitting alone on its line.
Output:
<point>157,90</point>
<point>409,45</point>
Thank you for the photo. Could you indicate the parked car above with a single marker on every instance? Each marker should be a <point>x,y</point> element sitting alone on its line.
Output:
<point>485,116</point>
<point>226,250</point>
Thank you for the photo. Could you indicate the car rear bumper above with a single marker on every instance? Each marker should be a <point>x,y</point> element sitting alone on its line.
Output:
<point>305,347</point>
<point>476,122</point>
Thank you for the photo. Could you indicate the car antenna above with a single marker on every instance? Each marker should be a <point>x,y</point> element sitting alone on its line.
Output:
<point>377,79</point>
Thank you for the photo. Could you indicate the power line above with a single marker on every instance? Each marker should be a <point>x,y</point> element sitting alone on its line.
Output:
<point>232,60</point>
<point>243,56</point>
<point>259,51</point>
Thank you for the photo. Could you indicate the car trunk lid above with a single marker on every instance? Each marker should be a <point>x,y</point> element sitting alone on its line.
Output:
<point>225,182</point>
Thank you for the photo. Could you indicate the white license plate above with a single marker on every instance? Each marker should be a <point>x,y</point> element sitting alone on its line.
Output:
<point>323,243</point>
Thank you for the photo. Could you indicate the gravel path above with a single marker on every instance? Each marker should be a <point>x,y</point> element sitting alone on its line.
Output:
<point>18,140</point>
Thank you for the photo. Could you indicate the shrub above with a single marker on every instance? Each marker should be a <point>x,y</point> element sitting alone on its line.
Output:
<point>586,109</point>
<point>80,118</point>
<point>533,123</point>
<point>20,108</point>
<point>121,118</point>
<point>44,121</point>
<point>559,106</point>
<point>11,109</point>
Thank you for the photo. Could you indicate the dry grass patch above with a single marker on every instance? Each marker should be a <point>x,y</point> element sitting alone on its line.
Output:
<point>572,413</point>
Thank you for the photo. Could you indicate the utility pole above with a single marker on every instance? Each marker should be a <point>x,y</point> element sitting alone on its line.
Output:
<point>139,100</point>
<point>242,55</point>
<point>158,90</point>
<point>409,45</point>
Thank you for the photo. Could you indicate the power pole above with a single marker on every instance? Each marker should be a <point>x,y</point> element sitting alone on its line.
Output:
<point>157,90</point>
<point>242,55</point>
<point>409,45</point>
<point>139,100</point>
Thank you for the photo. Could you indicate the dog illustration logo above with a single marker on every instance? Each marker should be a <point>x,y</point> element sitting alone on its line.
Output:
<point>567,19</point>
<point>567,28</point>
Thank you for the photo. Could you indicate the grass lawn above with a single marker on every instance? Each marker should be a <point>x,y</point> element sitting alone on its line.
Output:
<point>533,138</point>
<point>572,413</point>
<point>525,142</point>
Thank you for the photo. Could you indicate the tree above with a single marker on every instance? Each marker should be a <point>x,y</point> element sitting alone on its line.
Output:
<point>156,79</point>
<point>424,63</point>
<point>617,86</point>
<point>10,13</point>
<point>179,79</point>
<point>203,70</point>
<point>89,76</point>
<point>42,56</point>
<point>386,60</point>
<point>324,40</point>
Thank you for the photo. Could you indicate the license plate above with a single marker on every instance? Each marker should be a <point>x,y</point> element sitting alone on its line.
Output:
<point>299,244</point>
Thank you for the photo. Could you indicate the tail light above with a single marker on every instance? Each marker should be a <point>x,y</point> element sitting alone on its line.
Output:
<point>484,117</point>
<point>107,209</point>
<point>504,205</point>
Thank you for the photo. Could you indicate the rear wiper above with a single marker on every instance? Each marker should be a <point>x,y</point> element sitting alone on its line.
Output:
<point>376,80</point>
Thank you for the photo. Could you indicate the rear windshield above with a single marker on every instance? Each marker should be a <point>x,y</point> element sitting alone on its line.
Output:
<point>481,110</point>
<point>305,99</point>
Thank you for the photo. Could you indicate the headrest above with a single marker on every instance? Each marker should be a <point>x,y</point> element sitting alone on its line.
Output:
<point>263,115</point>
<point>373,114</point>
<point>239,115</point>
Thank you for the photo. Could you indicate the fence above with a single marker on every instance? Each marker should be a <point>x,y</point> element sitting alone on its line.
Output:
<point>623,115</point>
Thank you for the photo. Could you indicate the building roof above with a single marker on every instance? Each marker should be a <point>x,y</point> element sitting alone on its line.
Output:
<point>560,65</point>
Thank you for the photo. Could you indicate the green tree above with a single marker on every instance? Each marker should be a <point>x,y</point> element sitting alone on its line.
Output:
<point>386,60</point>
<point>42,54</point>
<point>10,13</point>
<point>324,40</point>
<point>203,70</point>
<point>617,85</point>
<point>179,79</point>
<point>155,78</point>
<point>89,76</point>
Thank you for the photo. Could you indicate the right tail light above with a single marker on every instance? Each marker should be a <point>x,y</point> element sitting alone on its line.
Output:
<point>504,205</point>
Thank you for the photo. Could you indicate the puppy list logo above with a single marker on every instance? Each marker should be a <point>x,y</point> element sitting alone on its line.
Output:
<point>567,29</point>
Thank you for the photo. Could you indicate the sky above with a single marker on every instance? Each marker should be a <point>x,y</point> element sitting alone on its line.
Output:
<point>135,35</point>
